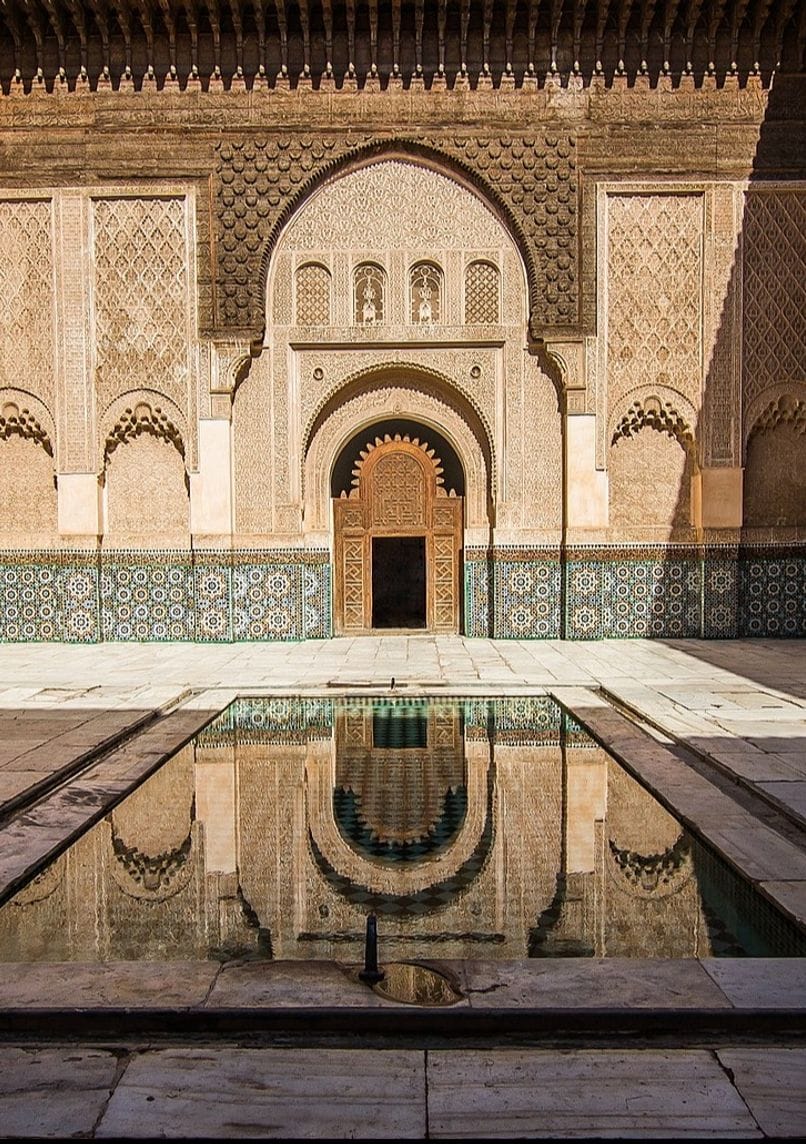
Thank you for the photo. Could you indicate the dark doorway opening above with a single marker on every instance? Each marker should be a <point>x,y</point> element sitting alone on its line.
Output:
<point>398,581</point>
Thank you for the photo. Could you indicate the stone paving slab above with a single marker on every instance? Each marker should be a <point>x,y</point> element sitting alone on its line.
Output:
<point>528,1094</point>
<point>591,983</point>
<point>29,839</point>
<point>760,983</point>
<point>287,984</point>
<point>204,1093</point>
<point>746,843</point>
<point>772,1082</point>
<point>53,1092</point>
<point>105,985</point>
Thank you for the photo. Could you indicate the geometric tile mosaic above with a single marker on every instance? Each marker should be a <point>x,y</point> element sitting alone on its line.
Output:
<point>626,594</point>
<point>147,596</point>
<point>213,596</point>
<point>772,592</point>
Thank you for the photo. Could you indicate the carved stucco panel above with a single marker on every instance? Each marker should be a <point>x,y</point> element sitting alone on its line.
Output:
<point>27,297</point>
<point>719,432</point>
<point>774,289</point>
<point>538,478</point>
<point>144,299</point>
<point>653,300</point>
<point>253,450</point>
<point>472,371</point>
<point>367,409</point>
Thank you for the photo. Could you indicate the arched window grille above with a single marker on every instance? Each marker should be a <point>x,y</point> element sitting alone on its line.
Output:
<point>369,291</point>
<point>482,290</point>
<point>313,295</point>
<point>426,293</point>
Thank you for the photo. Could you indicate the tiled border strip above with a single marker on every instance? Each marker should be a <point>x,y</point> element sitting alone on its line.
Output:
<point>582,593</point>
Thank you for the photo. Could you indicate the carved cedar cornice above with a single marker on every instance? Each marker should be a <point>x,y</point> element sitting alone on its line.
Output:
<point>530,182</point>
<point>478,41</point>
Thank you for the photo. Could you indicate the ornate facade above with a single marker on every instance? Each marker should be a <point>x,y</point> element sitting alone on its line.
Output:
<point>478,318</point>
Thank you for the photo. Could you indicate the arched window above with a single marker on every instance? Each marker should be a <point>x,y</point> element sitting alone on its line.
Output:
<point>426,293</point>
<point>482,287</point>
<point>313,295</point>
<point>369,294</point>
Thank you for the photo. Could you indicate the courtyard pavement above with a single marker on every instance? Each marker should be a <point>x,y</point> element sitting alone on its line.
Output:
<point>706,1048</point>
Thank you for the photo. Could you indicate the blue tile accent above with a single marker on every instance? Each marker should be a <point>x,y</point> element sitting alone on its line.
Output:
<point>147,596</point>
<point>212,589</point>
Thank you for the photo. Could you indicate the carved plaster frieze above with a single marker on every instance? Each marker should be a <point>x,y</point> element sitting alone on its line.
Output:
<point>787,407</point>
<point>23,415</point>
<point>653,412</point>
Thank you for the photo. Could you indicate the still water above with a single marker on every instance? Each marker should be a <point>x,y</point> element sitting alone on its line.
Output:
<point>471,828</point>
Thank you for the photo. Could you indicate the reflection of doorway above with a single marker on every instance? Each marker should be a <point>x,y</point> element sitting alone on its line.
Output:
<point>398,538</point>
<point>398,581</point>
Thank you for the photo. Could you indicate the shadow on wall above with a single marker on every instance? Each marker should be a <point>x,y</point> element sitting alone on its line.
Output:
<point>751,431</point>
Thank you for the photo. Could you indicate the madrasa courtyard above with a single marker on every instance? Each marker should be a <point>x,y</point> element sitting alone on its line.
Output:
<point>402,569</point>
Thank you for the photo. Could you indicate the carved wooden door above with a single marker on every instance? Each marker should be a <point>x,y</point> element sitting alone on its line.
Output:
<point>397,526</point>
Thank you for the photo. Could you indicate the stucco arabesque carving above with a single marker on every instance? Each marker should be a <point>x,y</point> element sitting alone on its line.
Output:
<point>564,364</point>
<point>655,410</point>
<point>24,415</point>
<point>529,181</point>
<point>230,362</point>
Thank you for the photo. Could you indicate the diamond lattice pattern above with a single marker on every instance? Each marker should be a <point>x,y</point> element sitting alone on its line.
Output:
<point>26,297</point>
<point>654,295</point>
<point>313,296</point>
<point>774,301</point>
<point>481,294</point>
<point>141,292</point>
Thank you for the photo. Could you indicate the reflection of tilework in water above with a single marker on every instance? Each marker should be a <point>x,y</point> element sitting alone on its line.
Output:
<point>147,596</point>
<point>772,592</point>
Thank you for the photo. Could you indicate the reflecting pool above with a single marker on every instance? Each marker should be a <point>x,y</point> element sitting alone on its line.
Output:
<point>471,828</point>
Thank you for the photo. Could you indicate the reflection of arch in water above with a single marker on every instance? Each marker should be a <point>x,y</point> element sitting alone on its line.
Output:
<point>346,866</point>
<point>429,897</point>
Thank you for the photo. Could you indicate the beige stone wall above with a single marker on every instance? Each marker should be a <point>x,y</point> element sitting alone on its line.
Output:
<point>127,267</point>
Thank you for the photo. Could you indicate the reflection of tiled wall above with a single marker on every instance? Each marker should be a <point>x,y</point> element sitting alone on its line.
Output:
<point>164,595</point>
<point>671,592</point>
